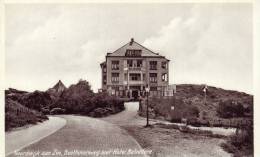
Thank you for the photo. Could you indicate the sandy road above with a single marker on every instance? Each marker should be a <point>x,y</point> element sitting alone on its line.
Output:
<point>90,136</point>
<point>84,136</point>
<point>127,117</point>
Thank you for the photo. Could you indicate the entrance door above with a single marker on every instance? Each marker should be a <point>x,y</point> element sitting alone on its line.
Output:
<point>135,94</point>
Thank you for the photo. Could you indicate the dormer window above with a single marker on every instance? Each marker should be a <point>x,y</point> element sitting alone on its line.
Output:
<point>133,53</point>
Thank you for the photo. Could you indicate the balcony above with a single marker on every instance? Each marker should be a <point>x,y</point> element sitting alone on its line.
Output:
<point>134,82</point>
<point>134,68</point>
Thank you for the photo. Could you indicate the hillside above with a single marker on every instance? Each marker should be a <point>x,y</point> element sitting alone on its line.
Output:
<point>193,94</point>
<point>222,107</point>
<point>17,115</point>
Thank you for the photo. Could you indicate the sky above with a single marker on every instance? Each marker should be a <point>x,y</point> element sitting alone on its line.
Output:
<point>206,43</point>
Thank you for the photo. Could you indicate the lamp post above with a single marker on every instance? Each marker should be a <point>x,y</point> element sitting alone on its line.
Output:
<point>147,89</point>
<point>127,81</point>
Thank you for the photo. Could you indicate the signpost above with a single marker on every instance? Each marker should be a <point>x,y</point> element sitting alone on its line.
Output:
<point>205,93</point>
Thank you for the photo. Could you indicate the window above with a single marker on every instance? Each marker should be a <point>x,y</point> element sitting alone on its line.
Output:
<point>115,65</point>
<point>133,53</point>
<point>115,78</point>
<point>164,65</point>
<point>164,77</point>
<point>153,88</point>
<point>129,63</point>
<point>153,77</point>
<point>116,88</point>
<point>135,77</point>
<point>153,65</point>
<point>139,63</point>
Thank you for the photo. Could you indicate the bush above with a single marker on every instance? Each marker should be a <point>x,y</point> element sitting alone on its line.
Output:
<point>101,112</point>
<point>35,100</point>
<point>45,111</point>
<point>161,107</point>
<point>96,105</point>
<point>230,109</point>
<point>57,111</point>
<point>240,144</point>
<point>193,122</point>
<point>16,115</point>
<point>110,104</point>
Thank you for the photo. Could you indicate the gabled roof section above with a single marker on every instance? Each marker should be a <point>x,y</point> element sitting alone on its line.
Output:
<point>132,45</point>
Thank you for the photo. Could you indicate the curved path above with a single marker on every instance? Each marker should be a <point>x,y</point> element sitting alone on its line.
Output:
<point>84,136</point>
<point>126,117</point>
<point>16,140</point>
<point>165,142</point>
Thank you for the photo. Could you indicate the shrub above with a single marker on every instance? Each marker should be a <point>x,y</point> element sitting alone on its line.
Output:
<point>193,122</point>
<point>57,111</point>
<point>183,110</point>
<point>161,107</point>
<point>86,103</point>
<point>35,100</point>
<point>45,111</point>
<point>241,143</point>
<point>230,108</point>
<point>101,112</point>
<point>17,115</point>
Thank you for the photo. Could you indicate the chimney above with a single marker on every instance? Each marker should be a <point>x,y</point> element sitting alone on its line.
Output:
<point>132,40</point>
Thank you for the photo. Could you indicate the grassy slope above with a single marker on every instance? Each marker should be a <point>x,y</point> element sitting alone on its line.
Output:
<point>194,94</point>
<point>189,97</point>
<point>17,115</point>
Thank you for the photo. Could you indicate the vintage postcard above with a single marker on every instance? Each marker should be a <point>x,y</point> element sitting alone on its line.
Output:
<point>157,79</point>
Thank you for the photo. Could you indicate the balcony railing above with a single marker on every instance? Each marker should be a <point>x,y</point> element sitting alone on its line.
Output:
<point>133,82</point>
<point>134,68</point>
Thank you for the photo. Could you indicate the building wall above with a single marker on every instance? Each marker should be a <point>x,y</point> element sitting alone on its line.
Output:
<point>103,75</point>
<point>145,69</point>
